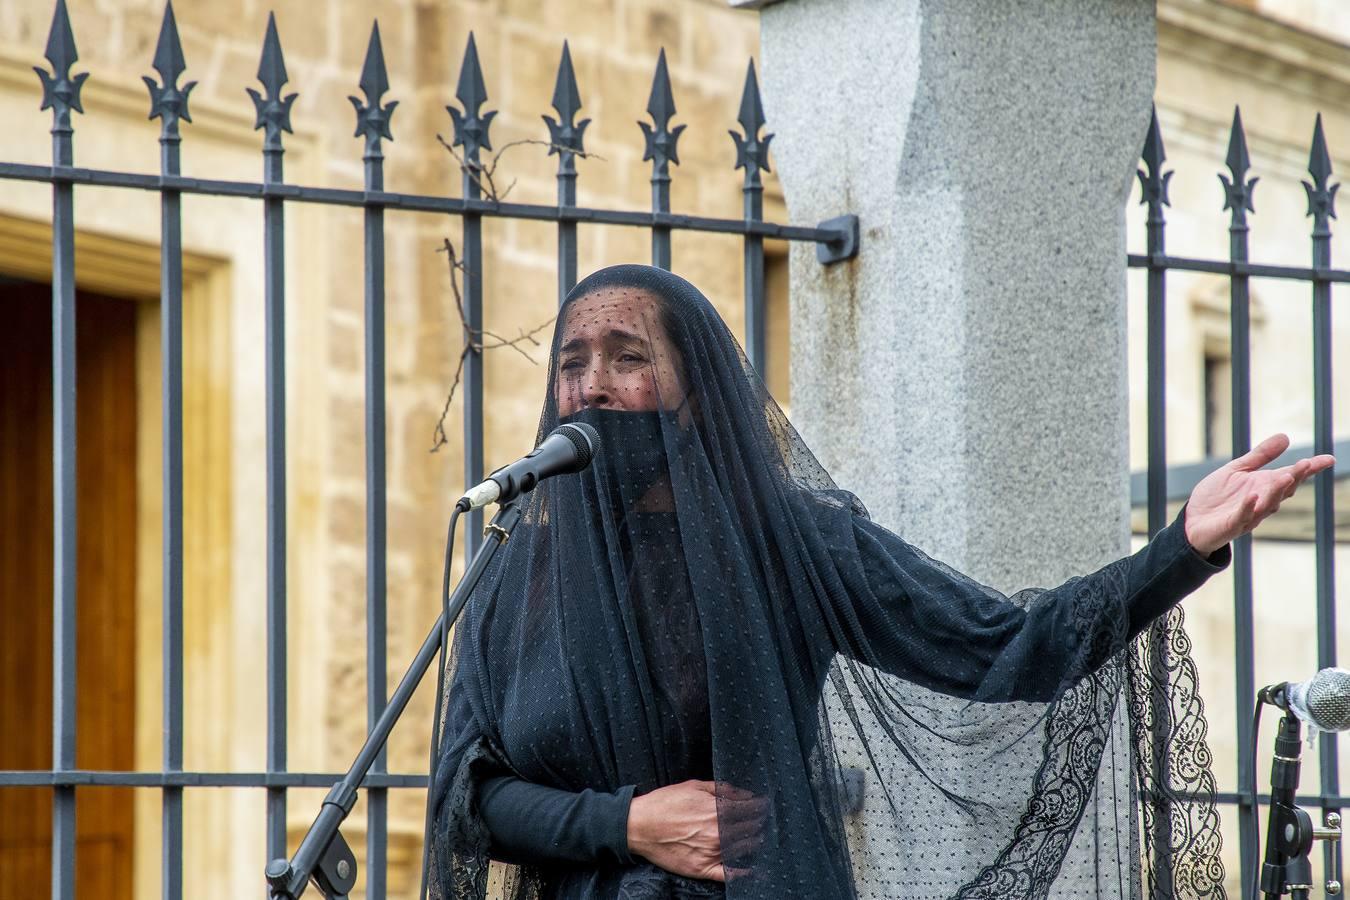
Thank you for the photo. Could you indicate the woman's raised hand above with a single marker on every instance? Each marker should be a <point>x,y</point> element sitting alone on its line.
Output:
<point>676,827</point>
<point>1233,499</point>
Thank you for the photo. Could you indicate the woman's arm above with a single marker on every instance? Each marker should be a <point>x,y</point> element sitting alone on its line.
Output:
<point>484,810</point>
<point>675,827</point>
<point>906,613</point>
<point>536,824</point>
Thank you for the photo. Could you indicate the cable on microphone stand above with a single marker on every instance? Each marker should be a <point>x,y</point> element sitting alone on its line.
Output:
<point>440,689</point>
<point>1255,809</point>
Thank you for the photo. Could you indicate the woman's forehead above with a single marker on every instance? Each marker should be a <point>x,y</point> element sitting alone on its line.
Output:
<point>630,307</point>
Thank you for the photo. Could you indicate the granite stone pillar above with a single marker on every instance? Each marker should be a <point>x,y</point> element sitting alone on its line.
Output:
<point>966,373</point>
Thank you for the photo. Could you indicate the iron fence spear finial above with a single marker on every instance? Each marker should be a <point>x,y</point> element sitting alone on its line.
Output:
<point>661,140</point>
<point>565,135</point>
<point>752,151</point>
<point>169,102</point>
<point>274,111</point>
<point>1321,197</point>
<point>471,124</point>
<point>1238,191</point>
<point>1153,181</point>
<point>61,90</point>
<point>372,118</point>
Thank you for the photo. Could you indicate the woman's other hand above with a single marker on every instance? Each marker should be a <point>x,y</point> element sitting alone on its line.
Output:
<point>1233,499</point>
<point>676,827</point>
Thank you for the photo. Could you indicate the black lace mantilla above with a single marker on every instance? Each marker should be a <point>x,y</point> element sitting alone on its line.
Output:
<point>704,603</point>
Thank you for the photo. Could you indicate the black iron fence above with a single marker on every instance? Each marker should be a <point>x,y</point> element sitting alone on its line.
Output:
<point>835,240</point>
<point>1319,276</point>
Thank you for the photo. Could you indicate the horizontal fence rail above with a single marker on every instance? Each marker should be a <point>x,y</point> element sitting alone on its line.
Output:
<point>839,236</point>
<point>836,240</point>
<point>1238,188</point>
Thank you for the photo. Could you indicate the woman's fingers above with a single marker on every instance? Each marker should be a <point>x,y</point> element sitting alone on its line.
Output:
<point>722,873</point>
<point>744,846</point>
<point>728,791</point>
<point>1285,481</point>
<point>1262,454</point>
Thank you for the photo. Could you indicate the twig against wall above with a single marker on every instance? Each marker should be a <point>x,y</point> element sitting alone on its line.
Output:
<point>484,175</point>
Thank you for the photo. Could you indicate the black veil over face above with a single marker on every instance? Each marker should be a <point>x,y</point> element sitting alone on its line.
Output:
<point>704,602</point>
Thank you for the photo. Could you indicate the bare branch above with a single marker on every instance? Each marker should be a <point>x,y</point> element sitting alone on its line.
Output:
<point>473,341</point>
<point>484,174</point>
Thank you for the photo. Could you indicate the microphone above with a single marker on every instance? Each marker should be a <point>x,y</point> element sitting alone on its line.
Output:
<point>1322,702</point>
<point>569,448</point>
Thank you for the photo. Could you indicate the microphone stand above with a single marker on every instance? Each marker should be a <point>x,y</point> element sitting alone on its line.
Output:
<point>323,854</point>
<point>1289,830</point>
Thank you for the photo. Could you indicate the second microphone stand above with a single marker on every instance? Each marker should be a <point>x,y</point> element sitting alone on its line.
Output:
<point>324,854</point>
<point>1290,832</point>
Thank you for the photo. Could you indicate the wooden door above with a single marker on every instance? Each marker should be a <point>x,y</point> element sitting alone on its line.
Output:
<point>106,582</point>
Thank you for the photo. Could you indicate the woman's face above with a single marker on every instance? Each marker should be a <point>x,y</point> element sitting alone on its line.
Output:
<point>615,354</point>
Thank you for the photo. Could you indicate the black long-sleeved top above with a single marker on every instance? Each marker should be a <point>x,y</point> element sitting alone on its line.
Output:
<point>537,824</point>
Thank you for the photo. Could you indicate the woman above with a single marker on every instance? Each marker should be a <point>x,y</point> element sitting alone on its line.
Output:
<point>698,669</point>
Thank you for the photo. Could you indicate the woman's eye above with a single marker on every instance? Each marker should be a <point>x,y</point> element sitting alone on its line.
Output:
<point>571,364</point>
<point>630,357</point>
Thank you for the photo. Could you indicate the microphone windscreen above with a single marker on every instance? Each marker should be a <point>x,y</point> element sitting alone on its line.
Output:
<point>1323,700</point>
<point>586,440</point>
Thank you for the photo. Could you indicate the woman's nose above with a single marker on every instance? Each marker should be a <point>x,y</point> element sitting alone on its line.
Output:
<point>597,391</point>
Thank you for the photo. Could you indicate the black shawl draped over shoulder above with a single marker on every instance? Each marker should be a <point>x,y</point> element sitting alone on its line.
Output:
<point>703,602</point>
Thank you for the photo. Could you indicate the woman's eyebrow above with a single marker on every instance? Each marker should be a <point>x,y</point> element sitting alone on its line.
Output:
<point>620,334</point>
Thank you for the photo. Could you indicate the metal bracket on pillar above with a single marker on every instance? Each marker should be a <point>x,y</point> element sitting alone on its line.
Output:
<point>844,245</point>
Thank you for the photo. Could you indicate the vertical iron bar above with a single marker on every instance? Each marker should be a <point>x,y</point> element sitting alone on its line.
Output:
<point>64,503</point>
<point>567,236</point>
<point>752,154</point>
<point>61,94</point>
<point>661,233</point>
<point>274,237</point>
<point>471,131</point>
<point>372,122</point>
<point>566,139</point>
<point>1154,185</point>
<point>169,104</point>
<point>171,362</point>
<point>1155,196</point>
<point>376,688</point>
<point>274,116</point>
<point>1243,617</point>
<point>754,283</point>
<point>1322,206</point>
<point>473,362</point>
<point>661,147</point>
<point>1238,199</point>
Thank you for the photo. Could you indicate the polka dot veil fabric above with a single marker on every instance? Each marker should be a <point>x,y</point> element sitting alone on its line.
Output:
<point>703,602</point>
